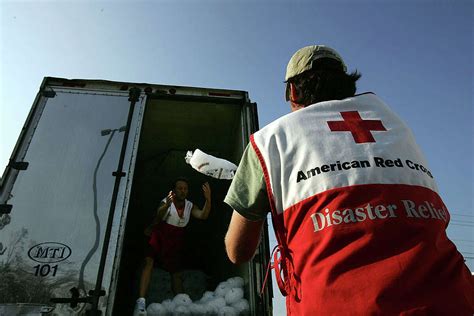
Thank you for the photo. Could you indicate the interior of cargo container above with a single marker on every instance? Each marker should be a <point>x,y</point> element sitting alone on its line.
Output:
<point>170,129</point>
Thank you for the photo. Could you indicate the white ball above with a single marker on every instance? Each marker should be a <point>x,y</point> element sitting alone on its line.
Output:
<point>242,306</point>
<point>182,300</point>
<point>156,309</point>
<point>207,296</point>
<point>222,289</point>
<point>218,302</point>
<point>236,282</point>
<point>234,295</point>
<point>211,309</point>
<point>181,310</point>
<point>198,309</point>
<point>228,311</point>
<point>168,305</point>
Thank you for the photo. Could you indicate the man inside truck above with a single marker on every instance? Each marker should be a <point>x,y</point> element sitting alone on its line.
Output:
<point>167,236</point>
<point>360,225</point>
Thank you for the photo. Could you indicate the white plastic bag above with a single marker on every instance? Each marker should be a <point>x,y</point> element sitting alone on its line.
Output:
<point>211,166</point>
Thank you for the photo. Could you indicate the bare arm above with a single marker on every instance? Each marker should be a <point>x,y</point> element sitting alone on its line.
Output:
<point>206,209</point>
<point>161,210</point>
<point>242,238</point>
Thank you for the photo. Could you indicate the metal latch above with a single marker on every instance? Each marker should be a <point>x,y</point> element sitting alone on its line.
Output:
<point>5,208</point>
<point>75,299</point>
<point>18,165</point>
<point>119,174</point>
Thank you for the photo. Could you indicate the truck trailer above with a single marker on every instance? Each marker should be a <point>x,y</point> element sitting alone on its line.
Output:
<point>91,164</point>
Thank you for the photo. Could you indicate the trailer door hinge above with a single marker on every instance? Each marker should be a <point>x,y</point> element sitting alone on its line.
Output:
<point>134,94</point>
<point>19,165</point>
<point>101,293</point>
<point>5,208</point>
<point>119,174</point>
<point>48,93</point>
<point>92,295</point>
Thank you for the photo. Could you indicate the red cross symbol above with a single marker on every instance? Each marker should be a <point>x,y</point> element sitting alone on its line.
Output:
<point>359,128</point>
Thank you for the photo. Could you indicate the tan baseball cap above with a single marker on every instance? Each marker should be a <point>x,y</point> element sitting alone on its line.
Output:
<point>303,59</point>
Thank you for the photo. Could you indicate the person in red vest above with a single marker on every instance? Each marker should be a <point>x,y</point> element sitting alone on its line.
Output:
<point>361,228</point>
<point>167,237</point>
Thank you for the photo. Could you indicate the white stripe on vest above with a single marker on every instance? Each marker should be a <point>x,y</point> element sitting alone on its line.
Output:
<point>336,144</point>
<point>172,217</point>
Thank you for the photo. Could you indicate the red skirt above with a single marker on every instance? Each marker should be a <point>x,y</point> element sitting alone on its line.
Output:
<point>166,246</point>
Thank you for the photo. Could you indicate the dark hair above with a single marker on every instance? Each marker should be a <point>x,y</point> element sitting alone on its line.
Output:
<point>180,179</point>
<point>325,81</point>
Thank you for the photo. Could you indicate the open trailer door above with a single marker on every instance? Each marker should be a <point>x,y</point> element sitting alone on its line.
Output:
<point>59,194</point>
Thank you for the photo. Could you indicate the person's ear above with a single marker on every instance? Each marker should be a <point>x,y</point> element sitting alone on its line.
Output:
<point>293,92</point>
<point>294,105</point>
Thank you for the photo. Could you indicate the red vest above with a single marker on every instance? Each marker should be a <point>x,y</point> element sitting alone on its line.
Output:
<point>357,214</point>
